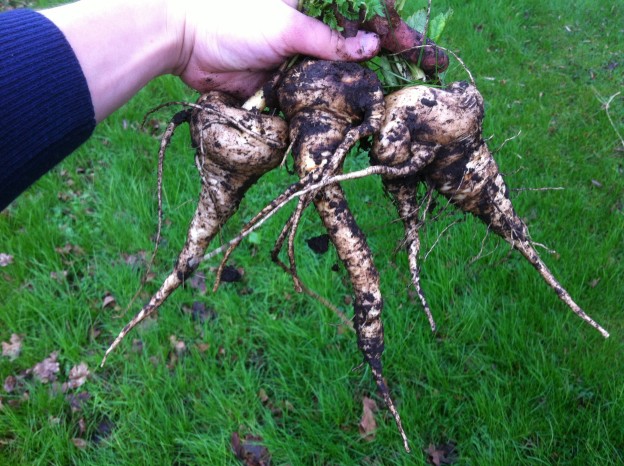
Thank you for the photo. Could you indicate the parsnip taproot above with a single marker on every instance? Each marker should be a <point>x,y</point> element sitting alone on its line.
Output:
<point>326,104</point>
<point>234,148</point>
<point>438,132</point>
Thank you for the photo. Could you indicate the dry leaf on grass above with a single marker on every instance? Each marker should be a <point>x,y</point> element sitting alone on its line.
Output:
<point>5,259</point>
<point>135,260</point>
<point>249,451</point>
<point>77,376</point>
<point>178,350</point>
<point>368,425</point>
<point>202,347</point>
<point>137,346</point>
<point>59,276</point>
<point>197,282</point>
<point>108,301</point>
<point>80,443</point>
<point>13,349</point>
<point>70,249</point>
<point>439,455</point>
<point>277,408</point>
<point>199,312</point>
<point>77,401</point>
<point>46,370</point>
<point>177,345</point>
<point>10,384</point>
<point>103,431</point>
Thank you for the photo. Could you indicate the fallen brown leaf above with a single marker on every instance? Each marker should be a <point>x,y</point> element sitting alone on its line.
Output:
<point>95,331</point>
<point>202,347</point>
<point>135,260</point>
<point>10,383</point>
<point>178,350</point>
<point>6,441</point>
<point>70,249</point>
<point>197,282</point>
<point>17,402</point>
<point>13,349</point>
<point>439,455</point>
<point>59,276</point>
<point>178,345</point>
<point>46,370</point>
<point>82,426</point>
<point>103,430</point>
<point>249,451</point>
<point>200,312</point>
<point>108,301</point>
<point>368,425</point>
<point>262,394</point>
<point>80,443</point>
<point>137,346</point>
<point>5,259</point>
<point>77,376</point>
<point>77,401</point>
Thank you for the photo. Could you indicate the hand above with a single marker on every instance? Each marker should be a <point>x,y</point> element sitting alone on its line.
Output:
<point>230,45</point>
<point>233,45</point>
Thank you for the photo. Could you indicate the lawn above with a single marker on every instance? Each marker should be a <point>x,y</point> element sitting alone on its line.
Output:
<point>512,377</point>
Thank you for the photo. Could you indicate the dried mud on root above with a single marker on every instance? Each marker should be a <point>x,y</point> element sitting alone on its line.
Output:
<point>329,107</point>
<point>234,148</point>
<point>439,133</point>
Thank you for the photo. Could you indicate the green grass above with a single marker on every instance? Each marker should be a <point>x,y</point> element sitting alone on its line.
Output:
<point>512,377</point>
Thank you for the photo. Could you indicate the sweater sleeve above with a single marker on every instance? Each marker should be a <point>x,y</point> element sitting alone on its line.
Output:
<point>45,105</point>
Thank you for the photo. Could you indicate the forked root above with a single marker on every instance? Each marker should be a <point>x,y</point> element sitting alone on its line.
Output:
<point>288,231</point>
<point>440,130</point>
<point>355,254</point>
<point>405,197</point>
<point>172,282</point>
<point>217,125</point>
<point>301,188</point>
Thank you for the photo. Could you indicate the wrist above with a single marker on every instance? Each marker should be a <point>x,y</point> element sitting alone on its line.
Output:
<point>121,45</point>
<point>180,35</point>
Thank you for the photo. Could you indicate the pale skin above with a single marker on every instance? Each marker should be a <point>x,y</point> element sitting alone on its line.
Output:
<point>211,44</point>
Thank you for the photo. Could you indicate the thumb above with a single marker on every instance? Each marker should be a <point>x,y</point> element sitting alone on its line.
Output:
<point>309,36</point>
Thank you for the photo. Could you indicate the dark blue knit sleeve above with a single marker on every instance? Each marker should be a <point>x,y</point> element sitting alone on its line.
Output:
<point>45,106</point>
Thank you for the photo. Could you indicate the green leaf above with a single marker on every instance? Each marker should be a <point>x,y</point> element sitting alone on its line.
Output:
<point>436,24</point>
<point>325,9</point>
<point>418,20</point>
<point>254,238</point>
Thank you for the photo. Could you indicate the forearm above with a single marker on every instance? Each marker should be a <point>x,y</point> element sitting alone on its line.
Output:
<point>46,109</point>
<point>120,45</point>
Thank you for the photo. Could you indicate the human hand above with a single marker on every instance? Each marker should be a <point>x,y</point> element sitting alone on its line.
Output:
<point>234,45</point>
<point>228,45</point>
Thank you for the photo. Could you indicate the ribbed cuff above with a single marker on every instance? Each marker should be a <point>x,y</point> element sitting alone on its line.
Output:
<point>45,105</point>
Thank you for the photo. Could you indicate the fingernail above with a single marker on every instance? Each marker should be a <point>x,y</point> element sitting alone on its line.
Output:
<point>369,43</point>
